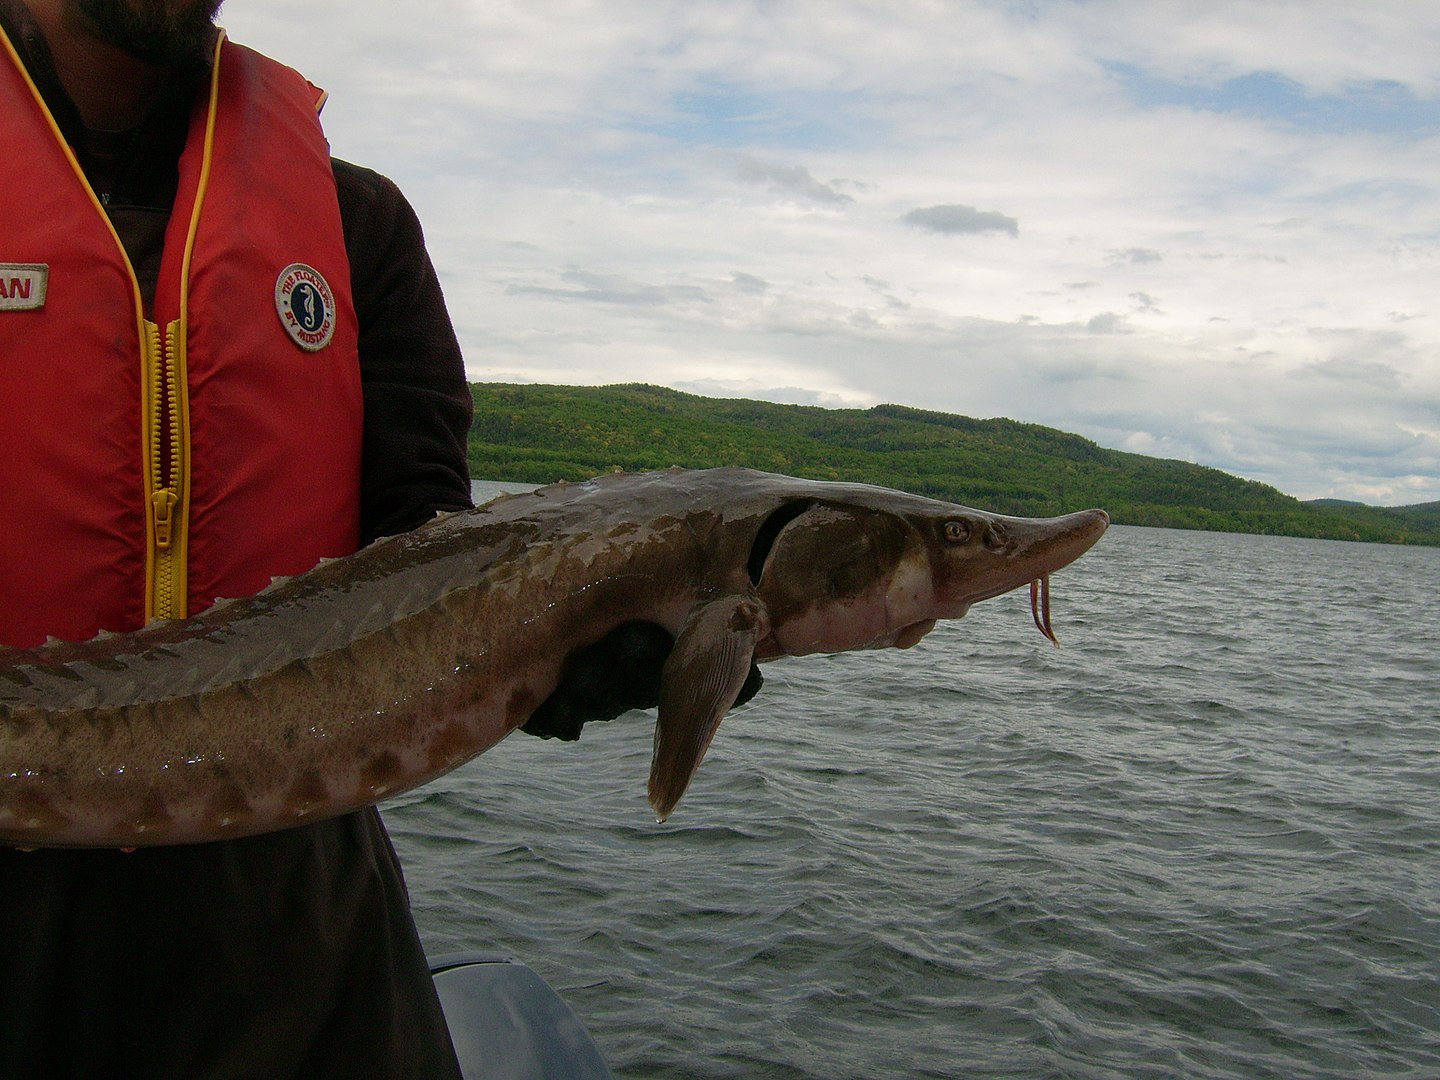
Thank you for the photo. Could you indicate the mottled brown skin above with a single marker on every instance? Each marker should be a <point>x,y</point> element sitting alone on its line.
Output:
<point>375,673</point>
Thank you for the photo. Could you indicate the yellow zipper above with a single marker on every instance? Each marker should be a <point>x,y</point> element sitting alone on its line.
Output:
<point>167,416</point>
<point>167,470</point>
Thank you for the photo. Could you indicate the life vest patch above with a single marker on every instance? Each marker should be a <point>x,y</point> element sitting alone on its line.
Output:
<point>306,306</point>
<point>23,285</point>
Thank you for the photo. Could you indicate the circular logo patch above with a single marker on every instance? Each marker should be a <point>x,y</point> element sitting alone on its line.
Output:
<point>306,306</point>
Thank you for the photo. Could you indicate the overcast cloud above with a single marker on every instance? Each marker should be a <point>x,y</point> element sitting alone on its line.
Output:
<point>961,219</point>
<point>1207,231</point>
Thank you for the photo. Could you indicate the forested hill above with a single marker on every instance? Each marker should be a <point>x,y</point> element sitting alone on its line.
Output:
<point>540,434</point>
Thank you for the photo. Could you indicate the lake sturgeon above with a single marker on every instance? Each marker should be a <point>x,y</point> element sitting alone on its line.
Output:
<point>375,673</point>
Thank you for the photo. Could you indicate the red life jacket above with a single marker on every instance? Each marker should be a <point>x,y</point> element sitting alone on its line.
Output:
<point>150,466</point>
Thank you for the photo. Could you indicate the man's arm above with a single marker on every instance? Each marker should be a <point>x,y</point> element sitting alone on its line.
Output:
<point>417,403</point>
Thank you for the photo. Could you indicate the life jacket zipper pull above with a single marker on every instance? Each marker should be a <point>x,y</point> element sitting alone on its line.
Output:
<point>164,502</point>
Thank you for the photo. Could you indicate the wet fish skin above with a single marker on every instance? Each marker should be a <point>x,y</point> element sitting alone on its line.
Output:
<point>375,673</point>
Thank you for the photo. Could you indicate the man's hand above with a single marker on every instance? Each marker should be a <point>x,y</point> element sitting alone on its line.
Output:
<point>618,673</point>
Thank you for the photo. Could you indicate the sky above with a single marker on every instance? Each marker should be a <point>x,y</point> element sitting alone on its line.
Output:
<point>1196,230</point>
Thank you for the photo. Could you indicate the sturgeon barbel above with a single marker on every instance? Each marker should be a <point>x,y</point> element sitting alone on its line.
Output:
<point>375,673</point>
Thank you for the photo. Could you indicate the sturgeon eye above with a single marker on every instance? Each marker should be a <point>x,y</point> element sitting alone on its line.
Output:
<point>957,532</point>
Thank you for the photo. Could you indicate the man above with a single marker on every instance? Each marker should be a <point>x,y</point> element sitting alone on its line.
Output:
<point>253,370</point>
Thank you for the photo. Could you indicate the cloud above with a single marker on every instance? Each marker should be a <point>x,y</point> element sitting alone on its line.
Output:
<point>1107,322</point>
<point>1327,48</point>
<point>789,180</point>
<point>611,289</point>
<point>953,220</point>
<point>749,283</point>
<point>1366,374</point>
<point>1136,256</point>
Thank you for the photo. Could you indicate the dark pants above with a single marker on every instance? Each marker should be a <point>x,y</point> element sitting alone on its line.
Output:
<point>287,955</point>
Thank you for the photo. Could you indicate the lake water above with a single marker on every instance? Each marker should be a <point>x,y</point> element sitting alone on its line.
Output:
<point>1200,839</point>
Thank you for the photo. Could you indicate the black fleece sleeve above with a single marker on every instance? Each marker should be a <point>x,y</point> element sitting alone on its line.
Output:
<point>417,403</point>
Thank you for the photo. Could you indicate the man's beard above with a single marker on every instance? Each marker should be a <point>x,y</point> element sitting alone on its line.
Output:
<point>149,31</point>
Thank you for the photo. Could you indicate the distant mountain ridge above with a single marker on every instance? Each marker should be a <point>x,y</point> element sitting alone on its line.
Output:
<point>543,433</point>
<point>1429,511</point>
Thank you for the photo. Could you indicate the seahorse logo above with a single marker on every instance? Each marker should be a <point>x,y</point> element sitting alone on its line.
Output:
<point>306,306</point>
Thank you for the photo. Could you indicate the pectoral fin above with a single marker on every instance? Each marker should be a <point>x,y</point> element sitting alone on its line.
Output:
<point>702,678</point>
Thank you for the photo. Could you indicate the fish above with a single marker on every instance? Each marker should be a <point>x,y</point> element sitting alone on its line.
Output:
<point>375,673</point>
